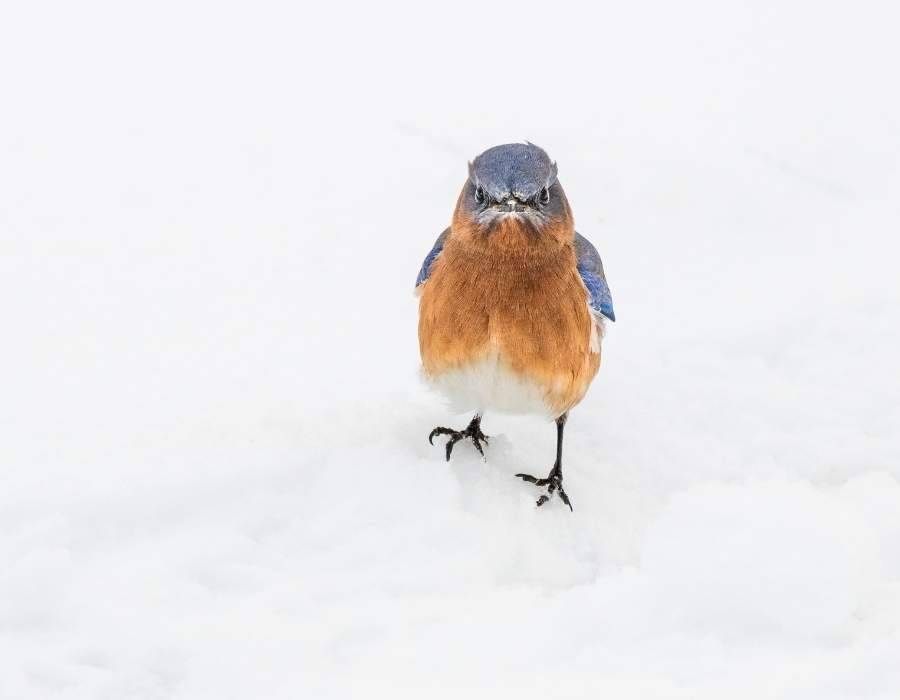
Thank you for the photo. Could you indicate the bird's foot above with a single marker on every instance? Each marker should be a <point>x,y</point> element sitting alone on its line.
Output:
<point>472,431</point>
<point>553,482</point>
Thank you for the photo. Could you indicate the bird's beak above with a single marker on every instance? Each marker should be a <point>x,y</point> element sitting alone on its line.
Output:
<point>511,205</point>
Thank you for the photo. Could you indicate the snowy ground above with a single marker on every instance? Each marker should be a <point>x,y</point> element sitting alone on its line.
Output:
<point>214,477</point>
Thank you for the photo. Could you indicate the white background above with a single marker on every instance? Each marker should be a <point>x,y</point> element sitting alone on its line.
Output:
<point>214,474</point>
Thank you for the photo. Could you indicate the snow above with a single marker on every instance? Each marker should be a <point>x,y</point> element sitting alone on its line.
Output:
<point>215,476</point>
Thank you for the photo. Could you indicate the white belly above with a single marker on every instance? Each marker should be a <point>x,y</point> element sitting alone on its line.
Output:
<point>488,385</point>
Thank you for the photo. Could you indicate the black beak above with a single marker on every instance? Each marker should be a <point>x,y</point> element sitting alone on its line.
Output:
<point>511,205</point>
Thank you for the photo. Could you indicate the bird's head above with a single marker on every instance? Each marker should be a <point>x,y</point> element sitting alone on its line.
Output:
<point>514,186</point>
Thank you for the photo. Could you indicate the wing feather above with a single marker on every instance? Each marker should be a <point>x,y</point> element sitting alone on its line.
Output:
<point>425,271</point>
<point>590,267</point>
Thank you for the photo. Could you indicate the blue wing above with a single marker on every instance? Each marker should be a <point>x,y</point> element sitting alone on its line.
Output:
<point>431,257</point>
<point>590,267</point>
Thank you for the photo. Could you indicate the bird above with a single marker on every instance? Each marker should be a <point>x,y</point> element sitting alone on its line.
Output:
<point>512,302</point>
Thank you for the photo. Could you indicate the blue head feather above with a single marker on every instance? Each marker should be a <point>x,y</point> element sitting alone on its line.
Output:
<point>518,170</point>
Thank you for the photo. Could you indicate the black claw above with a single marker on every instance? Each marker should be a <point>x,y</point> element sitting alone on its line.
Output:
<point>553,482</point>
<point>472,431</point>
<point>451,442</point>
<point>439,431</point>
<point>533,480</point>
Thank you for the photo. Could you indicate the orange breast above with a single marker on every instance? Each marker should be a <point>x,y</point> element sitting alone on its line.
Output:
<point>515,296</point>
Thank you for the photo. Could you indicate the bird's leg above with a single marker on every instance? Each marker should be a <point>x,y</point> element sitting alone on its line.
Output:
<point>472,431</point>
<point>554,479</point>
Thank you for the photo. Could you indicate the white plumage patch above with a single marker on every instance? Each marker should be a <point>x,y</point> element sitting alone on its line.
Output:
<point>598,328</point>
<point>489,385</point>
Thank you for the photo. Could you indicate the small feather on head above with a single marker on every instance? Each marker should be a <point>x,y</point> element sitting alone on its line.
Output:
<point>518,170</point>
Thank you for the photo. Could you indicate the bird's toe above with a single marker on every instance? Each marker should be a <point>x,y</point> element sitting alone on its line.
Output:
<point>553,482</point>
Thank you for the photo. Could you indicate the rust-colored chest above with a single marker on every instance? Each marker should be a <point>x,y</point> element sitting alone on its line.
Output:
<point>521,300</point>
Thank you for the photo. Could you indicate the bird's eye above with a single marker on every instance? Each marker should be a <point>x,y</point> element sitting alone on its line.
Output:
<point>544,196</point>
<point>479,194</point>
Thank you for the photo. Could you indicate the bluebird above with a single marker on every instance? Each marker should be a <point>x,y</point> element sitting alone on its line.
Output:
<point>512,302</point>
